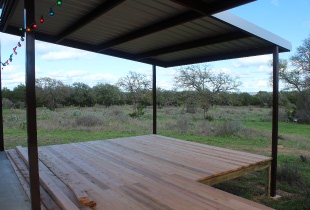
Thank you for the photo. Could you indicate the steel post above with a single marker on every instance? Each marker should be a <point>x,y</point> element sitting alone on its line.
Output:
<point>275,117</point>
<point>154,101</point>
<point>29,9</point>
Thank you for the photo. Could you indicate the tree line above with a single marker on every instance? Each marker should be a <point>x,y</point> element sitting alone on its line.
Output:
<point>52,93</point>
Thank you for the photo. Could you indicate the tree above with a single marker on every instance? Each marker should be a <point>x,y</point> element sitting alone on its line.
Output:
<point>81,94</point>
<point>137,85</point>
<point>263,99</point>
<point>51,92</point>
<point>7,93</point>
<point>107,94</point>
<point>298,78</point>
<point>206,82</point>
<point>19,93</point>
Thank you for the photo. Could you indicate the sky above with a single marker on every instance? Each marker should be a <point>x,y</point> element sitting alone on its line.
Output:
<point>286,18</point>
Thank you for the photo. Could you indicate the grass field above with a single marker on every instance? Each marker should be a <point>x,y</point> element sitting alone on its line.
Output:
<point>241,128</point>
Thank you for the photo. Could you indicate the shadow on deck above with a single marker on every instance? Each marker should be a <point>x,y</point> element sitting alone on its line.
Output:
<point>13,196</point>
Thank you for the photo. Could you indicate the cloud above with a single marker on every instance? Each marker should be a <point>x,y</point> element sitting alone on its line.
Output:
<point>64,55</point>
<point>9,40</point>
<point>255,85</point>
<point>52,52</point>
<point>252,61</point>
<point>71,76</point>
<point>166,72</point>
<point>264,69</point>
<point>12,76</point>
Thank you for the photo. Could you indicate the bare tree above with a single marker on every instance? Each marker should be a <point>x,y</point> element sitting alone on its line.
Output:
<point>298,78</point>
<point>206,82</point>
<point>137,85</point>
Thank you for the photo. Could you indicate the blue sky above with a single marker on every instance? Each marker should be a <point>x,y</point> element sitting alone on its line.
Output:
<point>286,18</point>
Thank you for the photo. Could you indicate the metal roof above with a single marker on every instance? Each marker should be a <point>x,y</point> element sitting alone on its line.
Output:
<point>160,32</point>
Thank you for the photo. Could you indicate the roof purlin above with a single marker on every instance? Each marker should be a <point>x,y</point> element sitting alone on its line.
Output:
<point>209,9</point>
<point>94,14</point>
<point>192,44</point>
<point>159,26</point>
<point>7,13</point>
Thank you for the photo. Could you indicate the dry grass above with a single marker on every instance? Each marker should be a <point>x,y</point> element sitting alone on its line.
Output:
<point>241,128</point>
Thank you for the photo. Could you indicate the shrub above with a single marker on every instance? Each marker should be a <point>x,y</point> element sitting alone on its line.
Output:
<point>88,121</point>
<point>7,104</point>
<point>228,128</point>
<point>117,112</point>
<point>207,129</point>
<point>266,118</point>
<point>302,116</point>
<point>304,159</point>
<point>139,111</point>
<point>183,125</point>
<point>209,118</point>
<point>290,174</point>
<point>191,107</point>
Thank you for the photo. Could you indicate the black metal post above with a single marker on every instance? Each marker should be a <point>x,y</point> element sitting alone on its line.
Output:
<point>31,107</point>
<point>1,114</point>
<point>154,101</point>
<point>275,116</point>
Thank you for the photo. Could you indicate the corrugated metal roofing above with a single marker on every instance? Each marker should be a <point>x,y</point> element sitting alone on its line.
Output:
<point>159,32</point>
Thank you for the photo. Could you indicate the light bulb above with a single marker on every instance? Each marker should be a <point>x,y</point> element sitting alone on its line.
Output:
<point>42,19</point>
<point>51,12</point>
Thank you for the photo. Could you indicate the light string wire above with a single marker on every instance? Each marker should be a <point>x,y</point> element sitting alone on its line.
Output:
<point>30,27</point>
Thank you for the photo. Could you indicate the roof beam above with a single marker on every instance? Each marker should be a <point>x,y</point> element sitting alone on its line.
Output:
<point>214,7</point>
<point>94,14</point>
<point>225,56</point>
<point>158,26</point>
<point>193,44</point>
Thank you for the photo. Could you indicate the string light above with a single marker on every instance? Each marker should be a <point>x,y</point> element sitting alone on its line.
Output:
<point>42,19</point>
<point>34,26</point>
<point>51,12</point>
<point>29,28</point>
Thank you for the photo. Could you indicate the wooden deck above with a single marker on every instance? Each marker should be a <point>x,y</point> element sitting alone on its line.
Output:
<point>144,172</point>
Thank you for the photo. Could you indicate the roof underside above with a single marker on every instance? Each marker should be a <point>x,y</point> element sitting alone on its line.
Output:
<point>159,32</point>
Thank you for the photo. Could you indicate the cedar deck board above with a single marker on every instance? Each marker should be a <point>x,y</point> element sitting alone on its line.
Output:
<point>148,172</point>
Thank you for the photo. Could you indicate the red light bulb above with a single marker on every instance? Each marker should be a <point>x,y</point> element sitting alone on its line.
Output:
<point>41,19</point>
<point>34,26</point>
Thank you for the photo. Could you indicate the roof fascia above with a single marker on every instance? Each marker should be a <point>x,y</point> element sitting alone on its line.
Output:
<point>253,29</point>
<point>225,56</point>
<point>214,7</point>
